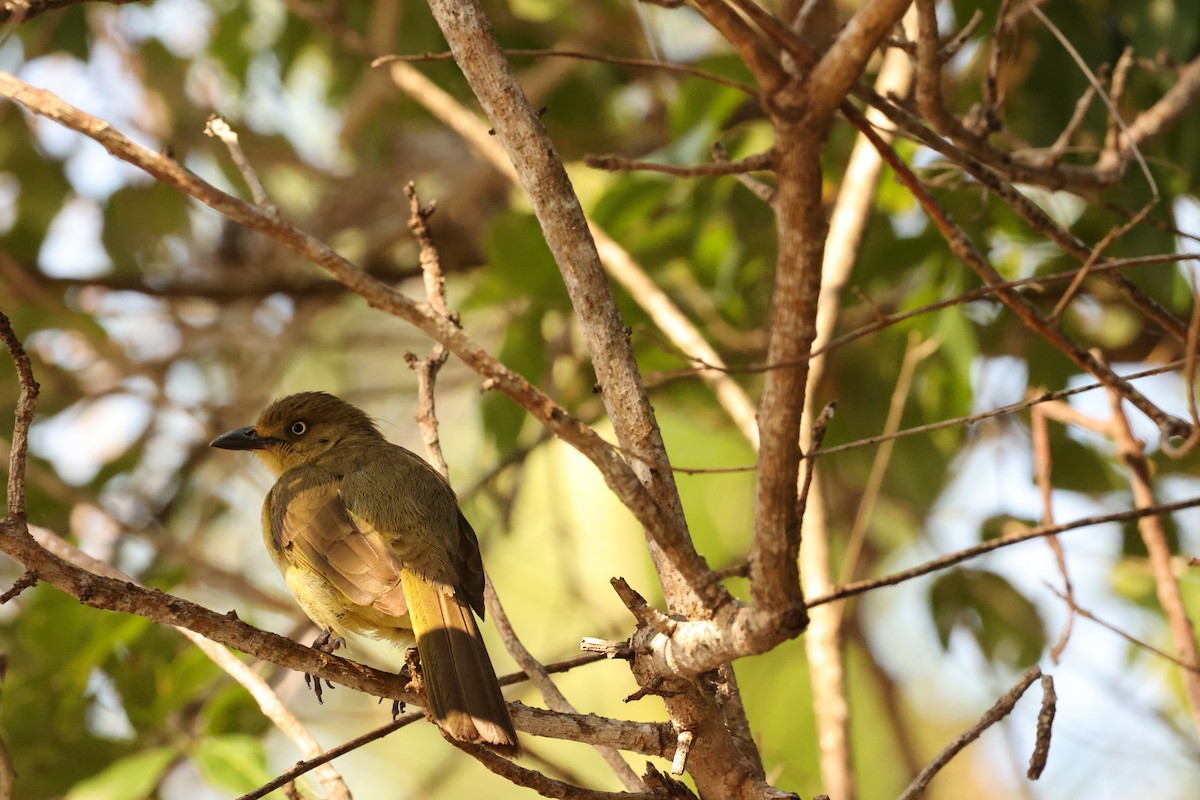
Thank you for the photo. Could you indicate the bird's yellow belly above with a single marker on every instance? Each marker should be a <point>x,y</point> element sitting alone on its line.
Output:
<point>331,610</point>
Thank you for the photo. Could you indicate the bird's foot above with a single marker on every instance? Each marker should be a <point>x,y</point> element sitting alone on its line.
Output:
<point>326,643</point>
<point>397,708</point>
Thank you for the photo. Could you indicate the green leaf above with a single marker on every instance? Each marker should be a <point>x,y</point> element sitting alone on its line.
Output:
<point>1003,622</point>
<point>132,778</point>
<point>235,762</point>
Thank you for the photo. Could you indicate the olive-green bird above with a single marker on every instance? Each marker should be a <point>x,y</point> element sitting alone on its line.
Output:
<point>371,541</point>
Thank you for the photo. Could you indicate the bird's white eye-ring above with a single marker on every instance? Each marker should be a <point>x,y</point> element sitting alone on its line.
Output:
<point>298,428</point>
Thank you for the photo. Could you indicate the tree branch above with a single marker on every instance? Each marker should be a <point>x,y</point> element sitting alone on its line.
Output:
<point>687,581</point>
<point>15,12</point>
<point>617,473</point>
<point>1002,708</point>
<point>26,403</point>
<point>839,69</point>
<point>950,559</point>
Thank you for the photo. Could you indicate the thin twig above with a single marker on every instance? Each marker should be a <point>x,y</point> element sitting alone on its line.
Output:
<point>762,191</point>
<point>1045,725</point>
<point>966,554</point>
<point>1091,77</point>
<point>615,163</point>
<point>997,712</point>
<point>1043,465</point>
<point>816,437</point>
<point>547,787</point>
<point>1155,538</point>
<point>22,418</point>
<point>915,352</point>
<point>1113,234</point>
<point>26,581</point>
<point>1056,150</point>
<point>1129,637</point>
<point>219,128</point>
<point>435,293</point>
<point>1169,425</point>
<point>1000,411</point>
<point>324,758</point>
<point>639,63</point>
<point>993,98</point>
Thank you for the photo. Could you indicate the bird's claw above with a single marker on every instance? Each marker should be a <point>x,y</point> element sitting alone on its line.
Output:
<point>326,642</point>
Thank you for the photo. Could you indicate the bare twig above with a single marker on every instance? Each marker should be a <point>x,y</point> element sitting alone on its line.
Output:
<point>1114,113</point>
<point>993,98</point>
<point>1045,725</point>
<point>966,554</point>
<point>22,419</point>
<point>219,128</point>
<point>615,163</point>
<point>26,581</point>
<point>1133,640</point>
<point>762,191</point>
<point>1150,527</point>
<point>1113,234</point>
<point>1055,151</point>
<point>314,762</point>
<point>1000,411</point>
<point>1169,425</point>
<point>639,63</point>
<point>915,352</point>
<point>1042,464</point>
<point>435,293</point>
<point>997,712</point>
<point>547,787</point>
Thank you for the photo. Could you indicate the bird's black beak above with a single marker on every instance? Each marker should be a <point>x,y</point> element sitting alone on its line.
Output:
<point>241,439</point>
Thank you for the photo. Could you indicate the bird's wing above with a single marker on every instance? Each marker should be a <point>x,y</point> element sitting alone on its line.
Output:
<point>312,529</point>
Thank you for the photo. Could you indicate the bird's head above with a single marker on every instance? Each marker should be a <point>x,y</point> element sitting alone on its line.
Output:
<point>301,429</point>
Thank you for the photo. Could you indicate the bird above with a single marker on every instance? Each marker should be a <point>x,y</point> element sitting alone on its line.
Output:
<point>371,541</point>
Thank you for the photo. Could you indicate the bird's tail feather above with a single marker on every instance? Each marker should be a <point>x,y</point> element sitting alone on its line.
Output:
<point>464,694</point>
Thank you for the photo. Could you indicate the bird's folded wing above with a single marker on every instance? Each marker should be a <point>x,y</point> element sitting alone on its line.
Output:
<point>312,528</point>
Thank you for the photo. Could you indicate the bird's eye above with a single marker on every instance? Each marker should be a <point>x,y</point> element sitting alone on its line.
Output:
<point>298,428</point>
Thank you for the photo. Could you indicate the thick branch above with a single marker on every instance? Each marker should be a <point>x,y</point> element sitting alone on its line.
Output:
<point>774,576</point>
<point>840,67</point>
<point>686,578</point>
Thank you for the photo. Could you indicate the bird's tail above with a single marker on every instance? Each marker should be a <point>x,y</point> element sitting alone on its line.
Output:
<point>464,695</point>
